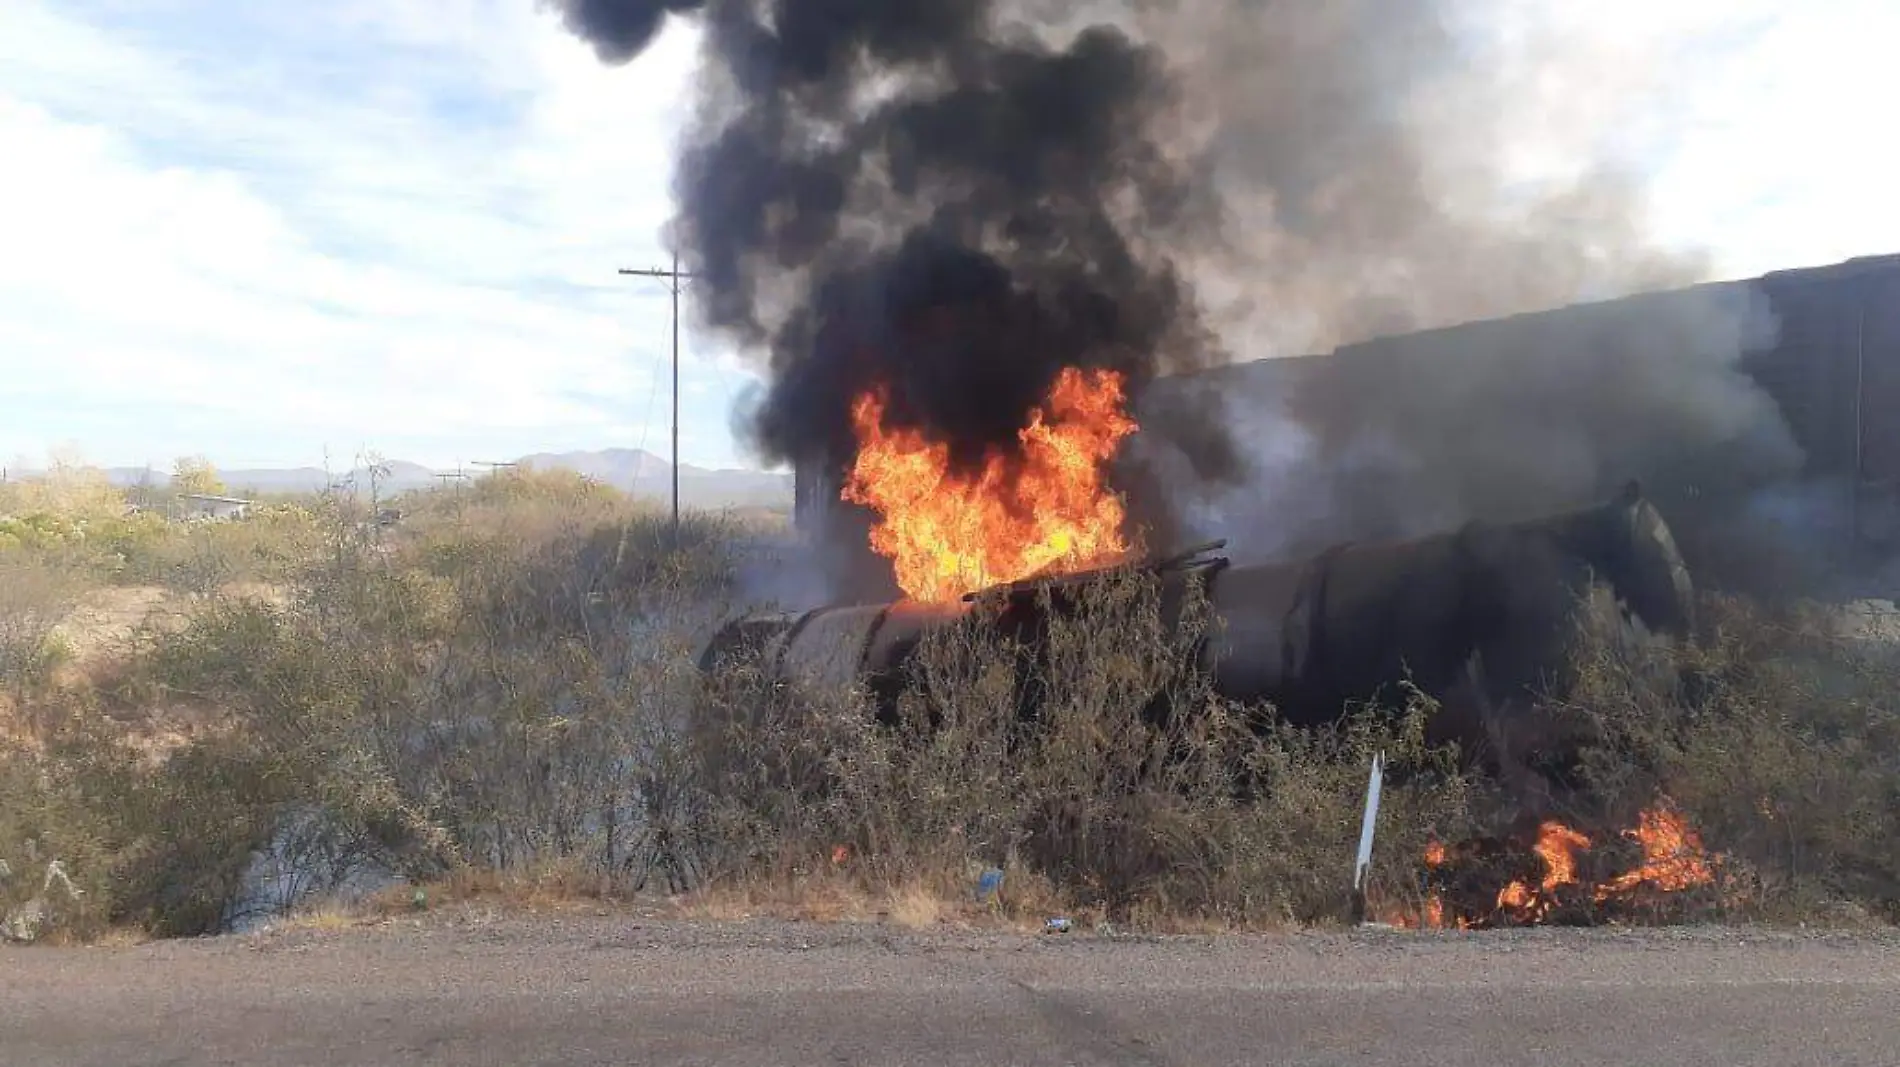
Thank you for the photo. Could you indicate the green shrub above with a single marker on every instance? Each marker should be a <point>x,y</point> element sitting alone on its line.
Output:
<point>56,845</point>
<point>1782,743</point>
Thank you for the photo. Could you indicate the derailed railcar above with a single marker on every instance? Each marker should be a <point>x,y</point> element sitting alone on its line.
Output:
<point>1483,615</point>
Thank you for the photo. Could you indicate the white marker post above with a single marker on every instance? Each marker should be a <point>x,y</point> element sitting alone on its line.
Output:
<point>1364,861</point>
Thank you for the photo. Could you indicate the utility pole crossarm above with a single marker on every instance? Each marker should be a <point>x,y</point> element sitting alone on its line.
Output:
<point>658,272</point>
<point>673,278</point>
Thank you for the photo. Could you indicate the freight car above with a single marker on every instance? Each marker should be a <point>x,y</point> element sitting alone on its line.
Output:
<point>1483,614</point>
<point>1834,370</point>
<point>1756,412</point>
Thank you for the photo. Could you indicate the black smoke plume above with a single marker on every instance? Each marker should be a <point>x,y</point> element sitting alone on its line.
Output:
<point>935,199</point>
<point>620,29</point>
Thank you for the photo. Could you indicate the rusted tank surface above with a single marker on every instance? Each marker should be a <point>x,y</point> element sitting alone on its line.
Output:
<point>1488,608</point>
<point>1507,593</point>
<point>830,646</point>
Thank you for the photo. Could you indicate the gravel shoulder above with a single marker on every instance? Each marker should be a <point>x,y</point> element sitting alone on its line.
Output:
<point>620,989</point>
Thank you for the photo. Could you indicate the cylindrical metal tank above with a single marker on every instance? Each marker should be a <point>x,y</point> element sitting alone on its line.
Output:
<point>1261,644</point>
<point>1313,635</point>
<point>837,646</point>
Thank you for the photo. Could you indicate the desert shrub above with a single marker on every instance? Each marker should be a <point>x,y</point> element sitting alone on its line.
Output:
<point>505,683</point>
<point>273,544</point>
<point>168,845</point>
<point>553,490</point>
<point>124,547</point>
<point>1132,788</point>
<point>37,592</point>
<point>497,691</point>
<point>143,548</point>
<point>505,706</point>
<point>297,754</point>
<point>69,489</point>
<point>544,727</point>
<point>39,532</point>
<point>55,849</point>
<point>1781,740</point>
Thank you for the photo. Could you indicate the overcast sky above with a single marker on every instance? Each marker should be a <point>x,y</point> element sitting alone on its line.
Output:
<point>263,230</point>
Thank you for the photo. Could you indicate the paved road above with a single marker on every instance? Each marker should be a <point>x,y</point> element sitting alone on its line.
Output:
<point>621,991</point>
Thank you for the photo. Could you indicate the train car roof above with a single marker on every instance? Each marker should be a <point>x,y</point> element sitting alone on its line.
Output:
<point>1453,336</point>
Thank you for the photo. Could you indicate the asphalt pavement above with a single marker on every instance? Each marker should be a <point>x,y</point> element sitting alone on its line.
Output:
<point>479,990</point>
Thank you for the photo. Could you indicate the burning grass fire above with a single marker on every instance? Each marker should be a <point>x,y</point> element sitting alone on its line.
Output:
<point>1044,509</point>
<point>1459,878</point>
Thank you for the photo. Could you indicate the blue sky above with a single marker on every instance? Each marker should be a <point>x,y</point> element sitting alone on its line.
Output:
<point>260,231</point>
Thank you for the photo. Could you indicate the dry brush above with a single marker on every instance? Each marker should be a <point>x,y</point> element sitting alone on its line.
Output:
<point>501,690</point>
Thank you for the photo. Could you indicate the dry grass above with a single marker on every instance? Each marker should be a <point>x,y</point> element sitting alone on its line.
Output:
<point>918,903</point>
<point>552,886</point>
<point>914,907</point>
<point>826,900</point>
<point>1024,906</point>
<point>497,702</point>
<point>829,900</point>
<point>327,917</point>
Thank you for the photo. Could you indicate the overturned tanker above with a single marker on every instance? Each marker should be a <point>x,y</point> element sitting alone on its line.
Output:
<point>1481,618</point>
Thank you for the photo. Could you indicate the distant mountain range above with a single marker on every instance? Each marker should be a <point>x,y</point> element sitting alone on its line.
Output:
<point>630,470</point>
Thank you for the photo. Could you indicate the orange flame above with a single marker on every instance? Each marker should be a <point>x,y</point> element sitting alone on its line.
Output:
<point>1673,860</point>
<point>1556,845</point>
<point>1432,915</point>
<point>1048,509</point>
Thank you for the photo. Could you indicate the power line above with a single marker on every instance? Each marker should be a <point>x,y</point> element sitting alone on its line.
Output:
<point>672,277</point>
<point>646,424</point>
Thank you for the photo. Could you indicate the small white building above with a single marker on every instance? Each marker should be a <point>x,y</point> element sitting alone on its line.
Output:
<point>202,506</point>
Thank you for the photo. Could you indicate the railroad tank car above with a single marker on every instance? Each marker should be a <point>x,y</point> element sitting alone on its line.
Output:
<point>1485,611</point>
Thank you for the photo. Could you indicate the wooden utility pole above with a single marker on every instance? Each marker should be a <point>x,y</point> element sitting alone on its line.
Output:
<point>673,278</point>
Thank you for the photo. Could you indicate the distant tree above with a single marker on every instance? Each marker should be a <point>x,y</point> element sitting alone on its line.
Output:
<point>195,474</point>
<point>520,485</point>
<point>69,487</point>
<point>141,491</point>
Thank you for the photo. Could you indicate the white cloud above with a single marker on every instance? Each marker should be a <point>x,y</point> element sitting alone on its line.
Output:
<point>391,222</point>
